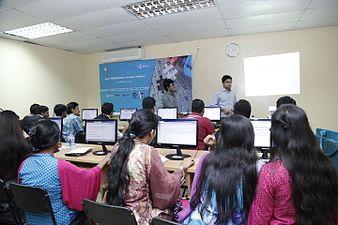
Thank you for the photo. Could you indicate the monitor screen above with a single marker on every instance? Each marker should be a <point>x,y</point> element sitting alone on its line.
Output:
<point>89,114</point>
<point>126,113</point>
<point>101,131</point>
<point>58,121</point>
<point>212,113</point>
<point>262,132</point>
<point>167,113</point>
<point>177,133</point>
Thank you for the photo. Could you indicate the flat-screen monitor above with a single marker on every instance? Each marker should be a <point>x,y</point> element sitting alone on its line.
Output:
<point>103,132</point>
<point>58,121</point>
<point>167,113</point>
<point>89,114</point>
<point>126,113</point>
<point>262,134</point>
<point>212,113</point>
<point>179,133</point>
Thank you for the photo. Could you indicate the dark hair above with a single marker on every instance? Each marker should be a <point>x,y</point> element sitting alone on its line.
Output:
<point>242,107</point>
<point>70,106</point>
<point>197,105</point>
<point>13,146</point>
<point>44,134</point>
<point>59,109</point>
<point>141,123</point>
<point>231,166</point>
<point>34,109</point>
<point>285,100</point>
<point>42,109</point>
<point>166,84</point>
<point>314,180</point>
<point>148,103</point>
<point>226,77</point>
<point>107,108</point>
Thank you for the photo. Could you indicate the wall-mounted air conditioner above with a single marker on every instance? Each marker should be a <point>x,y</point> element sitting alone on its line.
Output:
<point>126,54</point>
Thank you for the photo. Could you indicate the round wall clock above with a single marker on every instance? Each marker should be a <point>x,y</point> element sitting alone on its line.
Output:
<point>232,49</point>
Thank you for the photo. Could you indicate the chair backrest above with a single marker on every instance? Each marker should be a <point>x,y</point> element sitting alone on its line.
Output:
<point>31,199</point>
<point>101,214</point>
<point>9,214</point>
<point>158,221</point>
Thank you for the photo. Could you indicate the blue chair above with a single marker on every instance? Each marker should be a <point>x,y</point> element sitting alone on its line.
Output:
<point>328,142</point>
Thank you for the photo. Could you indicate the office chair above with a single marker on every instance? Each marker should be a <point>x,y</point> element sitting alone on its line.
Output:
<point>158,221</point>
<point>102,214</point>
<point>31,199</point>
<point>8,214</point>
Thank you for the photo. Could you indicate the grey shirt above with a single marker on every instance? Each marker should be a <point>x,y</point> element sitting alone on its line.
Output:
<point>169,100</point>
<point>224,99</point>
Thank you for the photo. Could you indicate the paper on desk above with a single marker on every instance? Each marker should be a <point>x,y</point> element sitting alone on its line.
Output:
<point>163,158</point>
<point>81,150</point>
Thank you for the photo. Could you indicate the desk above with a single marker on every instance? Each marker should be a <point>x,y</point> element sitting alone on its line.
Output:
<point>171,165</point>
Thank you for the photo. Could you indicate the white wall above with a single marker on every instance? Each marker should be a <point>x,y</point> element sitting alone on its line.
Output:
<point>318,57</point>
<point>34,74</point>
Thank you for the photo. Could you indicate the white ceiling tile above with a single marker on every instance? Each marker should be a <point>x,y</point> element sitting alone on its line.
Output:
<point>263,20</point>
<point>14,3</point>
<point>124,2</point>
<point>320,13</point>
<point>58,9</point>
<point>12,19</point>
<point>261,28</point>
<point>63,38</point>
<point>263,8</point>
<point>234,2</point>
<point>197,36</point>
<point>92,43</point>
<point>323,3</point>
<point>97,19</point>
<point>317,23</point>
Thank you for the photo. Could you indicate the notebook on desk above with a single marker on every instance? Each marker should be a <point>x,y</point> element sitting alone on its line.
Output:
<point>78,151</point>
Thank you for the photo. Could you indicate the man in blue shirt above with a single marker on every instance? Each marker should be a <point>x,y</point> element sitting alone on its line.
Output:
<point>72,123</point>
<point>225,98</point>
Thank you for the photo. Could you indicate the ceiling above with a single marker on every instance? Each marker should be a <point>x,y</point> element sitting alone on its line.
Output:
<point>102,25</point>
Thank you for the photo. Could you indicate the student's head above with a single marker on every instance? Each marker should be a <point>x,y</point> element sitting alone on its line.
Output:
<point>9,124</point>
<point>149,103</point>
<point>227,82</point>
<point>60,110</point>
<point>242,107</point>
<point>285,100</point>
<point>43,111</point>
<point>142,128</point>
<point>197,106</point>
<point>108,109</point>
<point>73,107</point>
<point>34,109</point>
<point>314,180</point>
<point>169,85</point>
<point>232,163</point>
<point>45,134</point>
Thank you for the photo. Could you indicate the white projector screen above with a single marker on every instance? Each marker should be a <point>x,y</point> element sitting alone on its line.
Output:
<point>272,74</point>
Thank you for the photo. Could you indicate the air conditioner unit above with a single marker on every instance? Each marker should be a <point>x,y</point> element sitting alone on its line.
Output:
<point>123,55</point>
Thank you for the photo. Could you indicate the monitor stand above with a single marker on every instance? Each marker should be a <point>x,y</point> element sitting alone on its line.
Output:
<point>104,151</point>
<point>265,153</point>
<point>178,155</point>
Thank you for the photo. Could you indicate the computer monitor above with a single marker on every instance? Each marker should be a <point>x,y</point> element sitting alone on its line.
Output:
<point>126,113</point>
<point>167,113</point>
<point>102,132</point>
<point>58,121</point>
<point>262,135</point>
<point>89,114</point>
<point>179,133</point>
<point>212,113</point>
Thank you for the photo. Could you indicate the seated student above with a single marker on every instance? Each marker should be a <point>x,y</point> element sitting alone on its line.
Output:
<point>299,185</point>
<point>285,100</point>
<point>72,123</point>
<point>149,103</point>
<point>137,178</point>
<point>225,179</point>
<point>205,127</point>
<point>242,107</point>
<point>43,111</point>
<point>60,110</point>
<point>66,184</point>
<point>29,120</point>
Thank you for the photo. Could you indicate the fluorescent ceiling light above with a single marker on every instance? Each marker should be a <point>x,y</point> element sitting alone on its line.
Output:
<point>38,31</point>
<point>153,8</point>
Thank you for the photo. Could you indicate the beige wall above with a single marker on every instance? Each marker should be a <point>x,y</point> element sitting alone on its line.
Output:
<point>319,69</point>
<point>34,74</point>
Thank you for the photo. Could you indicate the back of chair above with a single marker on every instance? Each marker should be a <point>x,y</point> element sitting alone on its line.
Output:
<point>101,214</point>
<point>31,199</point>
<point>158,221</point>
<point>8,213</point>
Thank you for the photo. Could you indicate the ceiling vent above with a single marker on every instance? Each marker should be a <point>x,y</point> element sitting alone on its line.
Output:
<point>126,54</point>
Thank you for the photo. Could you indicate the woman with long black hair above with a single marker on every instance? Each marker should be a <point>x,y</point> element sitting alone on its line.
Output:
<point>137,177</point>
<point>299,186</point>
<point>225,180</point>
